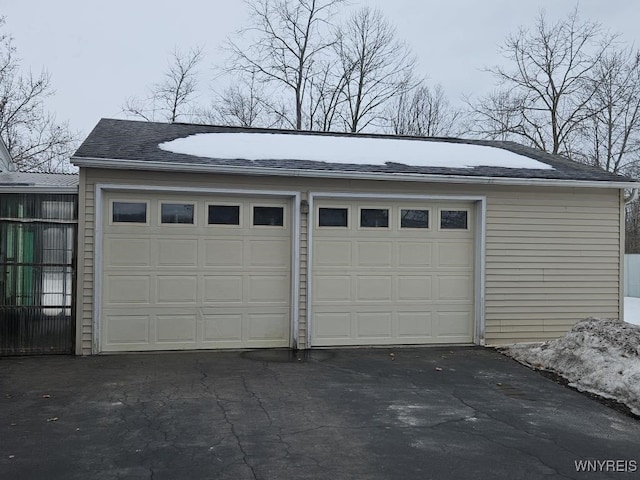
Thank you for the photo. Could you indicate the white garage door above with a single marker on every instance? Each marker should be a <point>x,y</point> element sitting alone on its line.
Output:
<point>195,272</point>
<point>392,273</point>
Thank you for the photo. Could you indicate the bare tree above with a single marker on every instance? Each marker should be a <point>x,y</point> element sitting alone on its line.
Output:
<point>611,136</point>
<point>422,111</point>
<point>288,37</point>
<point>495,116</point>
<point>326,97</point>
<point>547,88</point>
<point>35,140</point>
<point>245,103</point>
<point>173,97</point>
<point>376,65</point>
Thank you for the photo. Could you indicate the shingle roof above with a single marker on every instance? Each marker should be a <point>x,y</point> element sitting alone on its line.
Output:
<point>38,180</point>
<point>117,142</point>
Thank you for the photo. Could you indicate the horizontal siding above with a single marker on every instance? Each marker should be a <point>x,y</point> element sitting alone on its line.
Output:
<point>302,295</point>
<point>88,226</point>
<point>552,254</point>
<point>551,261</point>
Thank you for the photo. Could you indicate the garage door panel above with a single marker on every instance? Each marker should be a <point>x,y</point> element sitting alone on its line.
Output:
<point>332,288</point>
<point>455,287</point>
<point>373,254</point>
<point>223,289</point>
<point>223,327</point>
<point>200,286</point>
<point>392,285</point>
<point>176,288</point>
<point>224,253</point>
<point>415,254</point>
<point>416,287</point>
<point>332,253</point>
<point>415,325</point>
<point>176,328</point>
<point>127,289</point>
<point>175,252</point>
<point>455,254</point>
<point>129,252</point>
<point>269,253</point>
<point>374,325</point>
<point>454,324</point>
<point>272,327</point>
<point>374,288</point>
<point>125,329</point>
<point>268,289</point>
<point>332,326</point>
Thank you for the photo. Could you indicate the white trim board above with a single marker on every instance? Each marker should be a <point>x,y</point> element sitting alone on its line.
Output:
<point>479,249</point>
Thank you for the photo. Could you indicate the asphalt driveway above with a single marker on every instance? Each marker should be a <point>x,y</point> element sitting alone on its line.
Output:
<point>428,413</point>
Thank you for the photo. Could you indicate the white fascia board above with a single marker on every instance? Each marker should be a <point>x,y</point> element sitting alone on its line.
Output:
<point>113,164</point>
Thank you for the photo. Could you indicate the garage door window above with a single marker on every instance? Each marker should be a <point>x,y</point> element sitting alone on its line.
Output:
<point>224,215</point>
<point>410,218</point>
<point>177,213</point>
<point>454,219</point>
<point>129,212</point>
<point>333,217</point>
<point>268,216</point>
<point>374,217</point>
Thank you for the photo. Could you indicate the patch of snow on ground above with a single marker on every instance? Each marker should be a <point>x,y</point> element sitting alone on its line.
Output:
<point>347,150</point>
<point>600,356</point>
<point>632,310</point>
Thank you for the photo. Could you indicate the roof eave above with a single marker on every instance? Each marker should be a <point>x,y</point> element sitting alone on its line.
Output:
<point>119,164</point>
<point>33,188</point>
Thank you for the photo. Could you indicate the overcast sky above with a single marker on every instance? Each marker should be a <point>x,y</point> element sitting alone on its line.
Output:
<point>100,53</point>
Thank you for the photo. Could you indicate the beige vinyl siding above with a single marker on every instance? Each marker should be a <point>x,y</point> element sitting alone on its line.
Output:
<point>552,253</point>
<point>85,254</point>
<point>551,260</point>
<point>302,294</point>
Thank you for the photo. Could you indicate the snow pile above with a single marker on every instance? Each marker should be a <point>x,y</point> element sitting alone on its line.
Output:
<point>347,150</point>
<point>632,310</point>
<point>597,355</point>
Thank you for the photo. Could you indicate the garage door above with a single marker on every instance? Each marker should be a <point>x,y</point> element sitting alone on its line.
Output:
<point>392,273</point>
<point>195,272</point>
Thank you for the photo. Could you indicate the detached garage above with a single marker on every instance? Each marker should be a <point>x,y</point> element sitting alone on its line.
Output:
<point>202,237</point>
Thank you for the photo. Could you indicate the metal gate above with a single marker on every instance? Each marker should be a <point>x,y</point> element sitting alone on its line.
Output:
<point>37,273</point>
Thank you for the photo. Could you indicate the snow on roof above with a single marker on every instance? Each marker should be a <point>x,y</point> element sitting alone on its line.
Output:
<point>348,150</point>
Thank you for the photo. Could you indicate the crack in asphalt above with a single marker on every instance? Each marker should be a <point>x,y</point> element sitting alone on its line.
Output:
<point>257,399</point>
<point>292,420</point>
<point>225,414</point>
<point>517,428</point>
